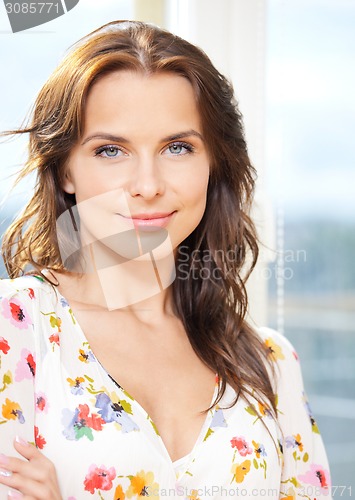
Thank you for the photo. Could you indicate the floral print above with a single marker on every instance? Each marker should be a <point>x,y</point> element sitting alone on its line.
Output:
<point>16,312</point>
<point>242,446</point>
<point>143,485</point>
<point>41,402</point>
<point>239,471</point>
<point>99,478</point>
<point>4,346</point>
<point>76,386</point>
<point>56,394</point>
<point>39,440</point>
<point>317,476</point>
<point>12,411</point>
<point>274,349</point>
<point>115,412</point>
<point>80,423</point>
<point>26,367</point>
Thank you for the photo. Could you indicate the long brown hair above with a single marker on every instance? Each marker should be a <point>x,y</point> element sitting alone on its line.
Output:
<point>209,290</point>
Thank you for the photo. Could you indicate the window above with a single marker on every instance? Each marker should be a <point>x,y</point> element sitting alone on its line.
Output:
<point>310,165</point>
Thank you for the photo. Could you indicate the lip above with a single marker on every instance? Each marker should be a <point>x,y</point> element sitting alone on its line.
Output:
<point>150,220</point>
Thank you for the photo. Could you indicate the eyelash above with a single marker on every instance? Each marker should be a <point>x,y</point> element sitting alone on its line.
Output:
<point>185,145</point>
<point>103,149</point>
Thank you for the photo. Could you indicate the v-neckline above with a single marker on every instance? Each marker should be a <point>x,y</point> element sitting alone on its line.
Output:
<point>205,425</point>
<point>145,414</point>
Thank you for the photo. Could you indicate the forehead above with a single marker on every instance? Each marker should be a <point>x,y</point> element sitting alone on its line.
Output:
<point>133,99</point>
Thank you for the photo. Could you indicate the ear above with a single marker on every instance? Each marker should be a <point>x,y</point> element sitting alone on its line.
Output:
<point>67,183</point>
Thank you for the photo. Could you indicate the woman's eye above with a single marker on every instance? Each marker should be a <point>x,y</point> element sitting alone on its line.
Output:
<point>180,148</point>
<point>109,152</point>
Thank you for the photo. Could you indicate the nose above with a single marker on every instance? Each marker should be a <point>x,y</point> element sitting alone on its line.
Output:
<point>147,179</point>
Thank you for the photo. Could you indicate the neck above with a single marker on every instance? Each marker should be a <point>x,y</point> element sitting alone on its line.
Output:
<point>140,286</point>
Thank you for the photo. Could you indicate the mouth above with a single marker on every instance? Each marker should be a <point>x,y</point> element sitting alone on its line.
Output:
<point>150,221</point>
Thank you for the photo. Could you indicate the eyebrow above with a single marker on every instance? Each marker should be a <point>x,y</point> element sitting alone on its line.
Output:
<point>117,138</point>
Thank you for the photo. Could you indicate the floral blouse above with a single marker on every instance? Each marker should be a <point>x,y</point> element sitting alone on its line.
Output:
<point>56,394</point>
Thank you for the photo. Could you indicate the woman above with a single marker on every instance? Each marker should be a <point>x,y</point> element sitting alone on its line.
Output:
<point>125,354</point>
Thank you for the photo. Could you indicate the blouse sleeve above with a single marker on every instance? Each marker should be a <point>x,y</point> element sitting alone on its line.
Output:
<point>17,365</point>
<point>305,471</point>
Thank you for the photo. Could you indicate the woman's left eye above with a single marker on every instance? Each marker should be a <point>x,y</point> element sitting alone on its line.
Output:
<point>109,151</point>
<point>180,148</point>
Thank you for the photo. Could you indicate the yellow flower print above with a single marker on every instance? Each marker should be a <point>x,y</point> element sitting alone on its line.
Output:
<point>86,356</point>
<point>119,493</point>
<point>275,350</point>
<point>83,356</point>
<point>12,411</point>
<point>298,442</point>
<point>76,386</point>
<point>55,322</point>
<point>264,410</point>
<point>294,441</point>
<point>142,485</point>
<point>239,471</point>
<point>259,449</point>
<point>127,407</point>
<point>289,494</point>
<point>193,495</point>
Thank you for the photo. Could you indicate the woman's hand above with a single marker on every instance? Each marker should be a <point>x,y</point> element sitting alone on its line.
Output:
<point>32,479</point>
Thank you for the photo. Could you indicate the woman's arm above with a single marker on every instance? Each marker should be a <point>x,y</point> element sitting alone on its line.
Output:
<point>305,471</point>
<point>23,468</point>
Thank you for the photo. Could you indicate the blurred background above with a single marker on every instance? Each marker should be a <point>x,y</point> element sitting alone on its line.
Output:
<point>292,63</point>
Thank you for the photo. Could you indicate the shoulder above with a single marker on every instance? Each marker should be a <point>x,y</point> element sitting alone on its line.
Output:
<point>9,287</point>
<point>25,287</point>
<point>20,297</point>
<point>278,346</point>
<point>286,372</point>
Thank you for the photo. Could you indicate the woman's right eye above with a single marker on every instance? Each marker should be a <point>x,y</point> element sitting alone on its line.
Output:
<point>109,151</point>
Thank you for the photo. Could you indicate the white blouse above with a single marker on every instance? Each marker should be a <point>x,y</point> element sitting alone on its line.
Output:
<point>56,394</point>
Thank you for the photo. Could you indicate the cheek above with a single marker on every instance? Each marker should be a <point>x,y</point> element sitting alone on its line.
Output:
<point>88,186</point>
<point>197,191</point>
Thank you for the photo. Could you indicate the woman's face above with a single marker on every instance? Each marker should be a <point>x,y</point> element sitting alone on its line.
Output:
<point>141,163</point>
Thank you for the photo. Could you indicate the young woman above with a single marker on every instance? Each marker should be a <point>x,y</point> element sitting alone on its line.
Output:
<point>128,368</point>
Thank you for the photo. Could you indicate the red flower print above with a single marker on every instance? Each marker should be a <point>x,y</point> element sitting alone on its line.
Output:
<point>4,346</point>
<point>317,476</point>
<point>31,364</point>
<point>26,367</point>
<point>242,446</point>
<point>54,338</point>
<point>39,440</point>
<point>78,423</point>
<point>94,422</point>
<point>31,293</point>
<point>16,313</point>
<point>99,478</point>
<point>41,402</point>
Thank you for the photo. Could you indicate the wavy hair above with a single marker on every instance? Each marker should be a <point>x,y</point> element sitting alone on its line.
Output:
<point>209,294</point>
